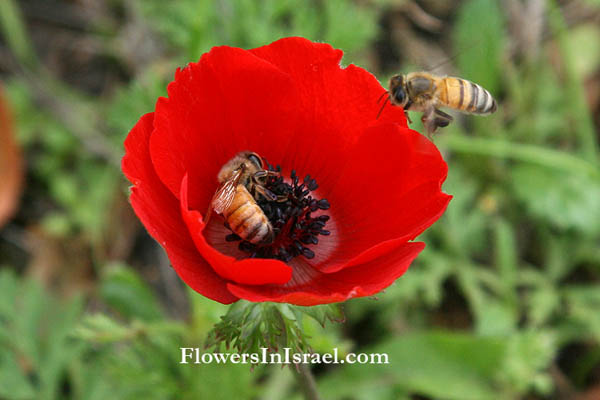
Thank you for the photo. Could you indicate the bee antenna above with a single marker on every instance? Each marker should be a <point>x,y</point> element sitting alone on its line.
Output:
<point>382,107</point>
<point>381,97</point>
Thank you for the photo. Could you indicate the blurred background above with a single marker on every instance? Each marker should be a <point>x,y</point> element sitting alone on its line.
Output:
<point>504,303</point>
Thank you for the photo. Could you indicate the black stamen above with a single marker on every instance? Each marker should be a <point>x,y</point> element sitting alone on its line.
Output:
<point>308,253</point>
<point>291,217</point>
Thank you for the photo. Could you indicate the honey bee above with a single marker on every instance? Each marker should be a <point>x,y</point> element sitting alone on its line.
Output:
<point>421,91</point>
<point>240,185</point>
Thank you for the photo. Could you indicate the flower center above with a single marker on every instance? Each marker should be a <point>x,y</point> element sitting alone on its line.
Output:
<point>291,217</point>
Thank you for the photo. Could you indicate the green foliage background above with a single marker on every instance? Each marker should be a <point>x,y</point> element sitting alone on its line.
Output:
<point>504,303</point>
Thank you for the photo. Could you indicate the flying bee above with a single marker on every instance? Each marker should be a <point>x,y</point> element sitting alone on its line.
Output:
<point>421,91</point>
<point>240,185</point>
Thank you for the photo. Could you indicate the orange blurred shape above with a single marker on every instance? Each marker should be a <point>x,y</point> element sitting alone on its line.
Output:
<point>11,164</point>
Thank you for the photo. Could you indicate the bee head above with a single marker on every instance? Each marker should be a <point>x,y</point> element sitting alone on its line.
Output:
<point>255,159</point>
<point>398,94</point>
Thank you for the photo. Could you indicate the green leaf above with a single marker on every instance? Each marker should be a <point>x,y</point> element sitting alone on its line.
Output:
<point>248,327</point>
<point>12,25</point>
<point>567,201</point>
<point>495,318</point>
<point>14,364</point>
<point>463,227</point>
<point>529,354</point>
<point>584,49</point>
<point>34,336</point>
<point>478,38</point>
<point>506,258</point>
<point>14,383</point>
<point>123,290</point>
<point>100,328</point>
<point>542,302</point>
<point>581,121</point>
<point>583,303</point>
<point>349,27</point>
<point>440,365</point>
<point>323,313</point>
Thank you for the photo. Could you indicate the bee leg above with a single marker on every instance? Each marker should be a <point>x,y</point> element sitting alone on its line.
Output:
<point>266,193</point>
<point>442,119</point>
<point>429,121</point>
<point>264,174</point>
<point>434,119</point>
<point>407,117</point>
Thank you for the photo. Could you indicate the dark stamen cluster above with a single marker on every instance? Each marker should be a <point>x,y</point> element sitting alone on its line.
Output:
<point>291,217</point>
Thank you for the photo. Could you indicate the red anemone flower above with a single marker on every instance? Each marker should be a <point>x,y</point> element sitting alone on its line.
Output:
<point>293,104</point>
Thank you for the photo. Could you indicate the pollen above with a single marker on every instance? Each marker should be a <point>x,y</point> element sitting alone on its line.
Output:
<point>293,216</point>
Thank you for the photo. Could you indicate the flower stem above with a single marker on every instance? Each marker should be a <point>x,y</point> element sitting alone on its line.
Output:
<point>304,377</point>
<point>306,381</point>
<point>13,26</point>
<point>522,152</point>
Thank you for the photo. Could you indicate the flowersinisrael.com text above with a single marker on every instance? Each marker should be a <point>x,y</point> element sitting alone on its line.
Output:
<point>194,355</point>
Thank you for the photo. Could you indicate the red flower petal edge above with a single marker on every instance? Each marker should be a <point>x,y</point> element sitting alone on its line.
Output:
<point>358,281</point>
<point>159,212</point>
<point>294,105</point>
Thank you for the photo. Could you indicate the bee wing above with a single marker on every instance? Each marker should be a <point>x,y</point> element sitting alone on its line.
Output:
<point>225,194</point>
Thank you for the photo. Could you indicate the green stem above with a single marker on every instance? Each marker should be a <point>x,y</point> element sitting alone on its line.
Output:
<point>521,152</point>
<point>306,381</point>
<point>11,23</point>
<point>581,119</point>
<point>278,384</point>
<point>302,373</point>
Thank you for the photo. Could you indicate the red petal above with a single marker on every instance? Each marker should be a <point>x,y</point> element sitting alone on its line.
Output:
<point>158,210</point>
<point>250,271</point>
<point>326,86</point>
<point>274,100</point>
<point>390,191</point>
<point>359,281</point>
<point>12,168</point>
<point>229,101</point>
<point>335,105</point>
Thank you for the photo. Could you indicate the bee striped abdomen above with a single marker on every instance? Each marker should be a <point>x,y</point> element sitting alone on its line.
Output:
<point>246,219</point>
<point>468,97</point>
